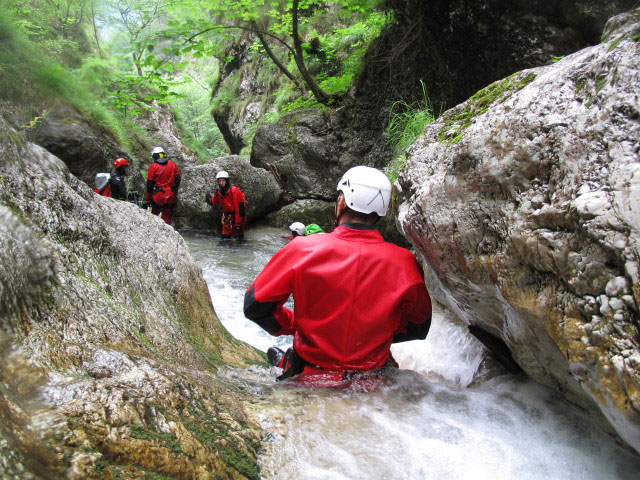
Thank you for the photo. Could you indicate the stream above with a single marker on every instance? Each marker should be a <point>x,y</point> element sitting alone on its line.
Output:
<point>430,422</point>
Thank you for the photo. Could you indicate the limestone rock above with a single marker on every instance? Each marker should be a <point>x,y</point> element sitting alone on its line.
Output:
<point>261,191</point>
<point>524,202</point>
<point>310,150</point>
<point>306,211</point>
<point>109,343</point>
<point>85,149</point>
<point>159,123</point>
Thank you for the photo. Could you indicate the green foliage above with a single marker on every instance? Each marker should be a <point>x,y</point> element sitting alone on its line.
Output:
<point>57,27</point>
<point>347,47</point>
<point>131,93</point>
<point>194,34</point>
<point>392,170</point>
<point>141,59</point>
<point>300,103</point>
<point>21,61</point>
<point>407,121</point>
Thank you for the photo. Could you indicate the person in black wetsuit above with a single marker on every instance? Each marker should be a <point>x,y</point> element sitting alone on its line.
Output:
<point>117,183</point>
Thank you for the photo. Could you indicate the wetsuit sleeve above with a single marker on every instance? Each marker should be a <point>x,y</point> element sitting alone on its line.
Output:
<point>177,182</point>
<point>216,198</point>
<point>240,206</point>
<point>151,181</point>
<point>264,299</point>
<point>416,312</point>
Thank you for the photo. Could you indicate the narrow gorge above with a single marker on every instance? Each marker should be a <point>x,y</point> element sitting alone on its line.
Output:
<point>125,353</point>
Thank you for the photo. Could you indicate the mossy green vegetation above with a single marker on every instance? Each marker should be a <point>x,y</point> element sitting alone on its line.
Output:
<point>150,434</point>
<point>407,121</point>
<point>394,167</point>
<point>214,433</point>
<point>456,121</point>
<point>615,43</point>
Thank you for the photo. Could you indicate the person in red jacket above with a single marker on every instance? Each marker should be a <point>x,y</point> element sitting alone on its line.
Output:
<point>163,180</point>
<point>354,293</point>
<point>232,201</point>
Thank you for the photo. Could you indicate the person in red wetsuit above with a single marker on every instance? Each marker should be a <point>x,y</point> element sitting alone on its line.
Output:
<point>296,229</point>
<point>232,201</point>
<point>163,180</point>
<point>354,293</point>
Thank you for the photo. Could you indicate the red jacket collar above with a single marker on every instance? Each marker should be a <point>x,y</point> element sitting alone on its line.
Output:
<point>357,235</point>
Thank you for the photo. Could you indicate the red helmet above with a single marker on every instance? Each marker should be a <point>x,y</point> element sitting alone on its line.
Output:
<point>118,162</point>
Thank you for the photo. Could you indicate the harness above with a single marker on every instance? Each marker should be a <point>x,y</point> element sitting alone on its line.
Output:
<point>293,365</point>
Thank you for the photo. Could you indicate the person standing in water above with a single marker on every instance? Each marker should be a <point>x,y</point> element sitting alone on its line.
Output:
<point>354,293</point>
<point>296,229</point>
<point>163,180</point>
<point>232,201</point>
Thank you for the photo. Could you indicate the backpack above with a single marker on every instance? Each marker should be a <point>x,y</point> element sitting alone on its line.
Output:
<point>102,184</point>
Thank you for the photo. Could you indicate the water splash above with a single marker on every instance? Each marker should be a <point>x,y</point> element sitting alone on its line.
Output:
<point>425,424</point>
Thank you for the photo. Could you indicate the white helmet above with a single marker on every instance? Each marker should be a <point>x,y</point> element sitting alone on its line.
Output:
<point>158,155</point>
<point>222,174</point>
<point>366,190</point>
<point>297,227</point>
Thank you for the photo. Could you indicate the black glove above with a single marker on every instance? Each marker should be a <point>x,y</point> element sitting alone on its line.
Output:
<point>208,198</point>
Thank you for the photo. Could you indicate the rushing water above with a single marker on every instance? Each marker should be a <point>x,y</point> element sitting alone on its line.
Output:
<point>428,423</point>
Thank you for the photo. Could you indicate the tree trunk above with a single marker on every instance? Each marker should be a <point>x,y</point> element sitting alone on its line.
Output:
<point>136,62</point>
<point>95,31</point>
<point>318,93</point>
<point>275,59</point>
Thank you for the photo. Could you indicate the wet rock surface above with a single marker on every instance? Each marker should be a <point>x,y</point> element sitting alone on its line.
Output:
<point>320,212</point>
<point>110,345</point>
<point>261,191</point>
<point>523,202</point>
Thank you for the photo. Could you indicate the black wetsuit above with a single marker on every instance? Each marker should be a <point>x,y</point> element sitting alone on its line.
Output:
<point>118,186</point>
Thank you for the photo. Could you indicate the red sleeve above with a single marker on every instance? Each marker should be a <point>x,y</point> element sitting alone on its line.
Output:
<point>151,180</point>
<point>238,198</point>
<point>265,297</point>
<point>151,173</point>
<point>416,312</point>
<point>216,198</point>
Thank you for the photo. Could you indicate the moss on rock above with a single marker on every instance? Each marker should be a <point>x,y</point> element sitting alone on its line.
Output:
<point>459,118</point>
